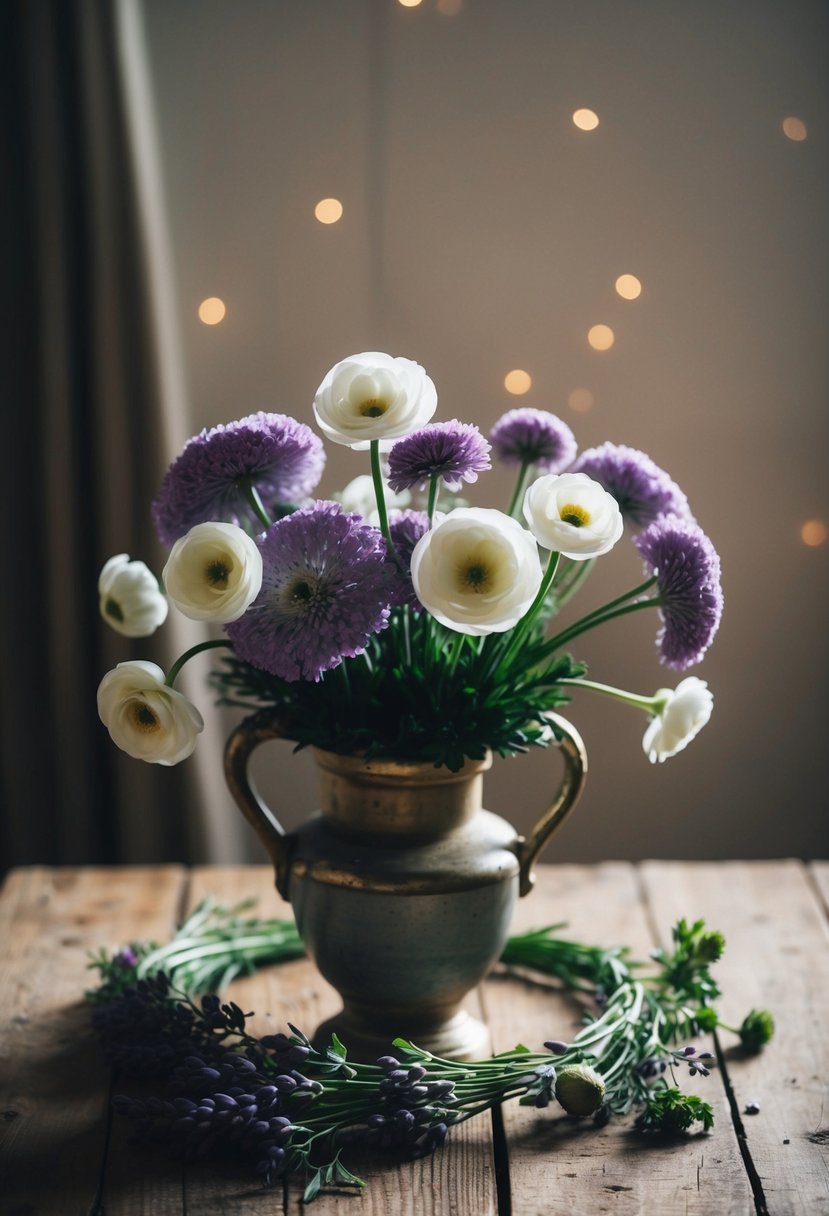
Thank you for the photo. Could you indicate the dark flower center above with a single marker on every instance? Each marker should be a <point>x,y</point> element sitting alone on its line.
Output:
<point>373,407</point>
<point>144,718</point>
<point>302,592</point>
<point>476,577</point>
<point>113,608</point>
<point>217,574</point>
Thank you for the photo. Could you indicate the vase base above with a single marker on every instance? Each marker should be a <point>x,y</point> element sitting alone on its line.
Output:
<point>461,1037</point>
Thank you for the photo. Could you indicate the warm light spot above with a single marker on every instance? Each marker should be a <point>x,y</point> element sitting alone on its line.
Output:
<point>580,400</point>
<point>212,310</point>
<point>794,128</point>
<point>409,3</point>
<point>813,532</point>
<point>328,210</point>
<point>449,8</point>
<point>628,287</point>
<point>601,337</point>
<point>518,382</point>
<point>586,120</point>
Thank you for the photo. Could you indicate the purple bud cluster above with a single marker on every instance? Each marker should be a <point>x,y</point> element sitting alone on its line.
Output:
<point>414,1116</point>
<point>144,1030</point>
<point>210,1107</point>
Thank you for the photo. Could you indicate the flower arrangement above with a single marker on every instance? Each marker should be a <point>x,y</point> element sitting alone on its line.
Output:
<point>403,622</point>
<point>285,1108</point>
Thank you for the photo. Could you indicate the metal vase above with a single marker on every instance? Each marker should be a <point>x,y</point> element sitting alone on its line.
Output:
<point>403,886</point>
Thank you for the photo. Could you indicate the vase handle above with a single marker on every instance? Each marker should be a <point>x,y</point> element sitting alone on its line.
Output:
<point>572,784</point>
<point>256,729</point>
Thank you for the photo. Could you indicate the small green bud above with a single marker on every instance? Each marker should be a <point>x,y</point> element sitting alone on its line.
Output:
<point>579,1089</point>
<point>706,1017</point>
<point>710,947</point>
<point>756,1030</point>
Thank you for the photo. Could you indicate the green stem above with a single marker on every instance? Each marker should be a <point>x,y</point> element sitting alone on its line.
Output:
<point>528,618</point>
<point>620,599</point>
<point>188,654</point>
<point>257,506</point>
<point>434,486</point>
<point>649,704</point>
<point>590,622</point>
<point>570,584</point>
<point>379,494</point>
<point>519,486</point>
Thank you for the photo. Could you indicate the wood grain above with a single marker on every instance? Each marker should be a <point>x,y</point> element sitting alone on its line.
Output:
<point>54,1086</point>
<point>559,1165</point>
<point>776,952</point>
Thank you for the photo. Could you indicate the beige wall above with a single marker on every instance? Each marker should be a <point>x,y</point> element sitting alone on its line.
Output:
<point>483,232</point>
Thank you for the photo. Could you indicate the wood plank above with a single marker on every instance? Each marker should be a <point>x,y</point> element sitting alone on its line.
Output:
<point>54,1086</point>
<point>776,957</point>
<point>560,1165</point>
<point>819,873</point>
<point>458,1178</point>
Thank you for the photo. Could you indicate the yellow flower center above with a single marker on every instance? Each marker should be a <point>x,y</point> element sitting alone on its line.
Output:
<point>373,407</point>
<point>573,514</point>
<point>144,719</point>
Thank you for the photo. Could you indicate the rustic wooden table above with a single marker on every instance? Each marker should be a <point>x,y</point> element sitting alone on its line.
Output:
<point>61,1154</point>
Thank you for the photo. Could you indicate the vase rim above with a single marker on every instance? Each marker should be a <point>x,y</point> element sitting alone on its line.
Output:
<point>421,771</point>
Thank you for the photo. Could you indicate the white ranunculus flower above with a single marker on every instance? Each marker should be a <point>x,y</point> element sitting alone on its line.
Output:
<point>477,571</point>
<point>572,514</point>
<point>213,573</point>
<point>359,498</point>
<point>374,396</point>
<point>684,712</point>
<point>130,597</point>
<point>145,718</point>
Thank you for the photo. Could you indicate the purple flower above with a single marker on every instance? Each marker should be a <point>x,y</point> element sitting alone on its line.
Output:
<point>326,588</point>
<point>406,529</point>
<point>687,570</point>
<point>528,436</point>
<point>642,490</point>
<point>281,457</point>
<point>455,451</point>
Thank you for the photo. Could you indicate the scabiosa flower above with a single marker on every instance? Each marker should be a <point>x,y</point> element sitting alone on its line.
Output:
<point>406,529</point>
<point>326,588</point>
<point>528,436</point>
<point>642,490</point>
<point>687,570</point>
<point>455,451</point>
<point>281,458</point>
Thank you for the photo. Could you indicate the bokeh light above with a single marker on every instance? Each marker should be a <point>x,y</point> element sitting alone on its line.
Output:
<point>813,532</point>
<point>794,128</point>
<point>518,382</point>
<point>328,210</point>
<point>212,310</point>
<point>601,337</point>
<point>628,287</point>
<point>580,400</point>
<point>586,120</point>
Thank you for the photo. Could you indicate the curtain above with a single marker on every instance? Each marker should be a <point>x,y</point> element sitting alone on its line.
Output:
<point>93,411</point>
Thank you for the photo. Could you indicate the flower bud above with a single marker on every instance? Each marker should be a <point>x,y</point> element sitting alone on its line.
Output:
<point>756,1029</point>
<point>579,1089</point>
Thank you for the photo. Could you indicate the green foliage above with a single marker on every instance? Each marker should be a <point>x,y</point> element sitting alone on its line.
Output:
<point>420,692</point>
<point>671,1112</point>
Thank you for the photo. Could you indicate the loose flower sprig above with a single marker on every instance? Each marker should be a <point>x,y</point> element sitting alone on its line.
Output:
<point>288,1108</point>
<point>415,633</point>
